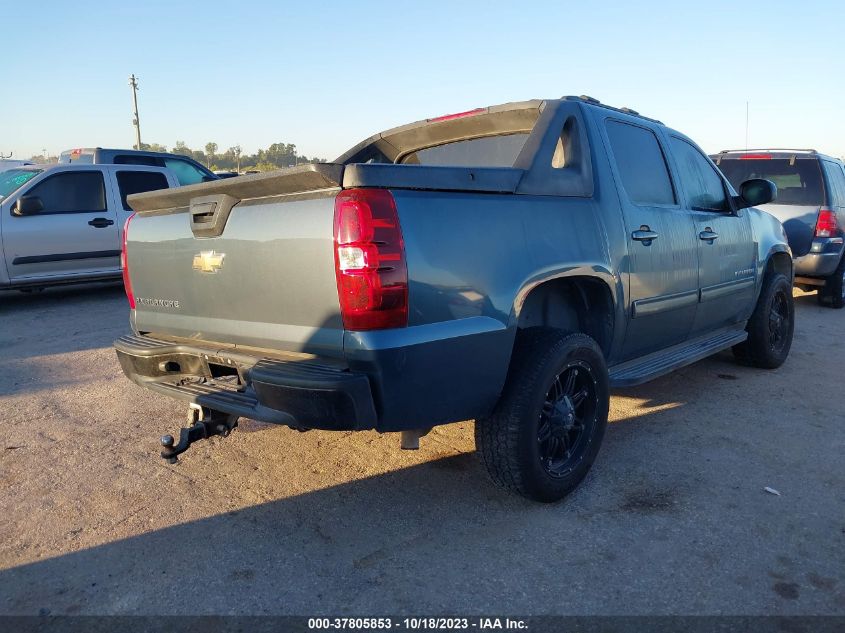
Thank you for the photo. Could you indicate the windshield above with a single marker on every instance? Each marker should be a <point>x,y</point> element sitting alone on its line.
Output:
<point>13,179</point>
<point>799,180</point>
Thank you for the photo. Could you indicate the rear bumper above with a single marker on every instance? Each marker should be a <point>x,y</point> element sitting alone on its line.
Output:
<point>822,259</point>
<point>301,392</point>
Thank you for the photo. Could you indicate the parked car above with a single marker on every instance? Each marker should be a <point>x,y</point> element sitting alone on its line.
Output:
<point>187,170</point>
<point>811,205</point>
<point>224,173</point>
<point>64,223</point>
<point>508,264</point>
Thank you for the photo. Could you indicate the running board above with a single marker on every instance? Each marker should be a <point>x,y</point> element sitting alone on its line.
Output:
<point>640,370</point>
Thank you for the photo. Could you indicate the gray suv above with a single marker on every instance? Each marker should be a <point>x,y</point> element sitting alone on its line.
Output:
<point>811,206</point>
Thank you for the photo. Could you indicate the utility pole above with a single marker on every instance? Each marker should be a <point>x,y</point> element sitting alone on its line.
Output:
<point>133,81</point>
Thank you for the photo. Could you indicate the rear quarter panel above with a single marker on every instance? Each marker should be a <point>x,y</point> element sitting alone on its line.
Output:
<point>472,259</point>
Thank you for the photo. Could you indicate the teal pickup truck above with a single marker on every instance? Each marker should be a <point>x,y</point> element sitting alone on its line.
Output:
<point>508,264</point>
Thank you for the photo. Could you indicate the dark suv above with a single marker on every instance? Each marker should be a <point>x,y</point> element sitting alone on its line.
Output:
<point>186,169</point>
<point>811,206</point>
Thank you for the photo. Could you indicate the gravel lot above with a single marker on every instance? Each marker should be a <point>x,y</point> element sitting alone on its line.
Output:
<point>672,520</point>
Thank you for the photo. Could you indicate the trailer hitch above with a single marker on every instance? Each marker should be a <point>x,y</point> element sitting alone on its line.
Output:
<point>204,423</point>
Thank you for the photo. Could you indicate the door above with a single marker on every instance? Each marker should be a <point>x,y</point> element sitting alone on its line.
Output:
<point>662,263</point>
<point>727,254</point>
<point>74,233</point>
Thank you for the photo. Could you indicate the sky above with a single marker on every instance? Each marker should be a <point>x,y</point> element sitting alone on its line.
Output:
<point>326,75</point>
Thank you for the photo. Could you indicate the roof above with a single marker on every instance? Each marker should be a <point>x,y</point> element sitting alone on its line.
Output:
<point>771,152</point>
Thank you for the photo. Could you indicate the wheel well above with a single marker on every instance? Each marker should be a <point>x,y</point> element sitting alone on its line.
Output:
<point>780,263</point>
<point>574,304</point>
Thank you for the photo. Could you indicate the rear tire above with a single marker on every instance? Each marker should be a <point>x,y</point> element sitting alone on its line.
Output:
<point>833,292</point>
<point>546,430</point>
<point>770,327</point>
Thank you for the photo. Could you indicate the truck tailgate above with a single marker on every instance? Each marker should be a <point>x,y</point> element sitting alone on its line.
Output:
<point>267,280</point>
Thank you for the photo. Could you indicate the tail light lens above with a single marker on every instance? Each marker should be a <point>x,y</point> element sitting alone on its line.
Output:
<point>124,264</point>
<point>372,276</point>
<point>826,225</point>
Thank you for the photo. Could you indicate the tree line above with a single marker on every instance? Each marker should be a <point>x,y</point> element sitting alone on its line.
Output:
<point>277,156</point>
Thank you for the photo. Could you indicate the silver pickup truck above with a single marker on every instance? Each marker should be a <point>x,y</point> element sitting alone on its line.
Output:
<point>64,223</point>
<point>508,264</point>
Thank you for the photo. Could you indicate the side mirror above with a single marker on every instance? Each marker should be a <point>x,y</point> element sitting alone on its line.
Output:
<point>755,192</point>
<point>28,205</point>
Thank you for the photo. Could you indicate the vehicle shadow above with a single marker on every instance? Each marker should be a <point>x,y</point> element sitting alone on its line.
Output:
<point>61,319</point>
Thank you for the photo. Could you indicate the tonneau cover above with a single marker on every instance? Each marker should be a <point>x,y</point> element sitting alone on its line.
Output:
<point>311,177</point>
<point>480,179</point>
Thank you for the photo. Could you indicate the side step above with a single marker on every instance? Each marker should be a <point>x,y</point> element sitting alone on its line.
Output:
<point>640,370</point>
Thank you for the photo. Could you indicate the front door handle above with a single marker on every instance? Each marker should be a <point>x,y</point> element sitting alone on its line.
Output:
<point>708,235</point>
<point>100,223</point>
<point>644,235</point>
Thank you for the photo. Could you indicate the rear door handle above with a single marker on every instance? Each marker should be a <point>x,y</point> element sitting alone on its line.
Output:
<point>100,223</point>
<point>708,235</point>
<point>644,235</point>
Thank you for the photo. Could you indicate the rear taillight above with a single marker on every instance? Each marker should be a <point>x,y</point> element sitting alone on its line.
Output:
<point>826,225</point>
<point>372,276</point>
<point>755,157</point>
<point>124,264</point>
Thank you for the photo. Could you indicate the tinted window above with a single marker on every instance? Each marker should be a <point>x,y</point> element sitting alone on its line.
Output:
<point>799,180</point>
<point>129,182</point>
<point>72,192</point>
<point>702,184</point>
<point>837,183</point>
<point>489,151</point>
<point>185,172</point>
<point>641,164</point>
<point>135,159</point>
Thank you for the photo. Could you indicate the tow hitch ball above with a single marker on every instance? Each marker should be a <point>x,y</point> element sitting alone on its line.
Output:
<point>205,423</point>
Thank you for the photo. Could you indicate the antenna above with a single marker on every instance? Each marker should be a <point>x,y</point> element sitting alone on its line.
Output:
<point>746,125</point>
<point>133,81</point>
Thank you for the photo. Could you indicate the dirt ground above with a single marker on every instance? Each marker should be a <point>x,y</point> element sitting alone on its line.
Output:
<point>673,519</point>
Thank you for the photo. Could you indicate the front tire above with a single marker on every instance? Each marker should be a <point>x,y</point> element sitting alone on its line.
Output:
<point>546,430</point>
<point>770,327</point>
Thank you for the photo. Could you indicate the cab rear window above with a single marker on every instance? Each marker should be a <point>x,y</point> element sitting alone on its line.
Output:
<point>799,180</point>
<point>487,151</point>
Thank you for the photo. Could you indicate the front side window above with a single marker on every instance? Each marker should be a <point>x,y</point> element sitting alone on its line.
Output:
<point>129,182</point>
<point>72,192</point>
<point>704,187</point>
<point>185,172</point>
<point>641,164</point>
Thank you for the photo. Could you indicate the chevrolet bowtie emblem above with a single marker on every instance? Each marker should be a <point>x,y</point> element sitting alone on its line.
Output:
<point>209,261</point>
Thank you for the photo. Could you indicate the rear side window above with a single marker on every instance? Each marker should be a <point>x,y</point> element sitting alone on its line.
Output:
<point>488,151</point>
<point>836,178</point>
<point>129,182</point>
<point>641,164</point>
<point>799,180</point>
<point>703,185</point>
<point>135,159</point>
<point>72,192</point>
<point>185,172</point>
